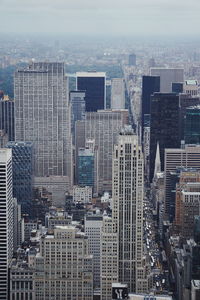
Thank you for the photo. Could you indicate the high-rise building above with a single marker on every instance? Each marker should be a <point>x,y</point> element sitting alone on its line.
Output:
<point>167,76</point>
<point>6,219</point>
<point>109,257</point>
<point>189,207</point>
<point>150,85</point>
<point>94,85</point>
<point>93,227</point>
<point>7,121</point>
<point>128,193</point>
<point>104,126</point>
<point>117,93</point>
<point>164,127</point>
<point>192,125</point>
<point>22,166</point>
<point>79,143</point>
<point>63,269</point>
<point>86,167</point>
<point>42,116</point>
<point>185,101</point>
<point>187,157</point>
<point>132,59</point>
<point>77,101</point>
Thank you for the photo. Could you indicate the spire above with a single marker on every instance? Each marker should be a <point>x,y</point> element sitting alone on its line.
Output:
<point>157,167</point>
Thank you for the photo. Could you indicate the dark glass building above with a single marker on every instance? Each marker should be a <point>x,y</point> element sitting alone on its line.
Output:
<point>7,121</point>
<point>94,85</point>
<point>22,163</point>
<point>150,85</point>
<point>177,87</point>
<point>192,125</point>
<point>185,101</point>
<point>85,167</point>
<point>164,127</point>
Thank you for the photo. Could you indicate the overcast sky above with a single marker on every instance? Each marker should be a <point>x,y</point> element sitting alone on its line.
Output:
<point>124,17</point>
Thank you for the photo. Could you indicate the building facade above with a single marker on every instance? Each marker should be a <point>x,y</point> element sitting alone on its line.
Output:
<point>94,85</point>
<point>192,125</point>
<point>150,85</point>
<point>164,127</point>
<point>117,93</point>
<point>7,121</point>
<point>93,227</point>
<point>6,219</point>
<point>104,127</point>
<point>167,77</point>
<point>128,189</point>
<point>186,157</point>
<point>22,164</point>
<point>42,116</point>
<point>63,269</point>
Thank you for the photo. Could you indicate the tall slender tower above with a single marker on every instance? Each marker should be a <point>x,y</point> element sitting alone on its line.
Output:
<point>128,209</point>
<point>6,219</point>
<point>42,116</point>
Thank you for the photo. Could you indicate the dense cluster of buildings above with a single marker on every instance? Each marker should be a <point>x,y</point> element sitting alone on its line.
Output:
<point>92,204</point>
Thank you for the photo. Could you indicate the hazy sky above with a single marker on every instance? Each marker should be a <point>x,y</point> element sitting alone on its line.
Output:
<point>128,17</point>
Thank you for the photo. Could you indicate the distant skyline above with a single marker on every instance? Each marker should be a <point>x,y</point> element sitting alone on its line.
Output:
<point>109,17</point>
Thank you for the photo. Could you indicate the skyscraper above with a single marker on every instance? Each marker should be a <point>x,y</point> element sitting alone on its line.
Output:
<point>192,125</point>
<point>7,121</point>
<point>117,93</point>
<point>94,85</point>
<point>42,116</point>
<point>132,59</point>
<point>150,85</point>
<point>164,126</point>
<point>104,126</point>
<point>86,167</point>
<point>93,227</point>
<point>22,163</point>
<point>6,219</point>
<point>128,210</point>
<point>167,76</point>
<point>77,101</point>
<point>187,157</point>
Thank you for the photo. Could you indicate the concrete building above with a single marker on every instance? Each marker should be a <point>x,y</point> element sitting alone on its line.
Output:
<point>63,268</point>
<point>187,157</point>
<point>57,217</point>
<point>93,227</point>
<point>6,219</point>
<point>167,76</point>
<point>109,258</point>
<point>7,121</point>
<point>82,194</point>
<point>77,102</point>
<point>41,100</point>
<point>104,126</point>
<point>18,225</point>
<point>117,93</point>
<point>57,186</point>
<point>128,188</point>
<point>195,289</point>
<point>21,280</point>
<point>94,85</point>
<point>191,87</point>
